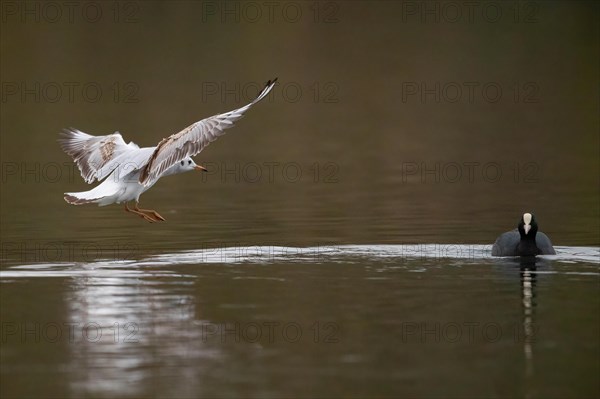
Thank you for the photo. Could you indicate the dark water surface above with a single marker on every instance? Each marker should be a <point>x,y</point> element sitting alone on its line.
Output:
<point>322,321</point>
<point>340,244</point>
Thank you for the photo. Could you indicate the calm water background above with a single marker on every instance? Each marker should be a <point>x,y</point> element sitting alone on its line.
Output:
<point>372,138</point>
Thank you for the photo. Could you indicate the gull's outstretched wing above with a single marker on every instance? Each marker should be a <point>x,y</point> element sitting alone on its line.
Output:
<point>93,154</point>
<point>191,140</point>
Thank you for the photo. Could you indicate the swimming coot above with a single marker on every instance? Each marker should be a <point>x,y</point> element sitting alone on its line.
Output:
<point>523,241</point>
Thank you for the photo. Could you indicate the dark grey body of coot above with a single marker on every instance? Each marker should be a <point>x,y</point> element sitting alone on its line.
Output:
<point>524,240</point>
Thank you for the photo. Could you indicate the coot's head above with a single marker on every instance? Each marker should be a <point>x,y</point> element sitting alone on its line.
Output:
<point>528,226</point>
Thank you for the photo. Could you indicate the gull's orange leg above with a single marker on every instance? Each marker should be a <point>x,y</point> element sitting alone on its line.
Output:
<point>140,214</point>
<point>152,212</point>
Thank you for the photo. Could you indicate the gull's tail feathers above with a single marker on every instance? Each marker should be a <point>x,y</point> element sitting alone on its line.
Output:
<point>104,194</point>
<point>79,198</point>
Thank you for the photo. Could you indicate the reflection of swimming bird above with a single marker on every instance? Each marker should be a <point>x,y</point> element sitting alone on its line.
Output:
<point>130,170</point>
<point>523,241</point>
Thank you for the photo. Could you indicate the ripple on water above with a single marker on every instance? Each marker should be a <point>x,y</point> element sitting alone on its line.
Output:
<point>418,253</point>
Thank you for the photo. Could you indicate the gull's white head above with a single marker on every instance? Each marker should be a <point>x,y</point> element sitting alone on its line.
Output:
<point>185,165</point>
<point>188,164</point>
<point>527,221</point>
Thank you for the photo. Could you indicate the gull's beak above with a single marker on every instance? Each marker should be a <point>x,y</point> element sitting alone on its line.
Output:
<point>527,227</point>
<point>202,168</point>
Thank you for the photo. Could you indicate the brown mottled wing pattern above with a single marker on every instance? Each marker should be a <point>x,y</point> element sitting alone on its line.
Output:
<point>93,153</point>
<point>191,140</point>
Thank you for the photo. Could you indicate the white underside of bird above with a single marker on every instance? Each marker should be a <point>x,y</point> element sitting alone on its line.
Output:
<point>123,183</point>
<point>128,170</point>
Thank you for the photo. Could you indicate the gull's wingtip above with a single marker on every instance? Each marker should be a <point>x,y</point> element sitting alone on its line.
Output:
<point>271,82</point>
<point>66,131</point>
<point>69,133</point>
<point>268,87</point>
<point>65,135</point>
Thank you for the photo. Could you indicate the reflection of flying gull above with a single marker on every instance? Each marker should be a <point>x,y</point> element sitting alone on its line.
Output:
<point>130,170</point>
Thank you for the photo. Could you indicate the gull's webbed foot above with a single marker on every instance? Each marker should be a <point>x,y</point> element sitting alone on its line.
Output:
<point>140,214</point>
<point>151,213</point>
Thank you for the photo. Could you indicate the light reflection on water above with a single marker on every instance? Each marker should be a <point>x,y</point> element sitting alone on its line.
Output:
<point>126,336</point>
